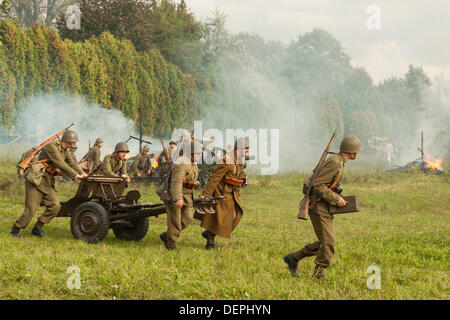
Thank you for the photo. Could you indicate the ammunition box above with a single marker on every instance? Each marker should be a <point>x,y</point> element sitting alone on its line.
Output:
<point>351,206</point>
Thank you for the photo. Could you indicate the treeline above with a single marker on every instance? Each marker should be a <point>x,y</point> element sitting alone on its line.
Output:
<point>103,69</point>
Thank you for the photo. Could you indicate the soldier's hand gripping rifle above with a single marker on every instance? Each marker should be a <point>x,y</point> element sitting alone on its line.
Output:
<point>304,204</point>
<point>26,162</point>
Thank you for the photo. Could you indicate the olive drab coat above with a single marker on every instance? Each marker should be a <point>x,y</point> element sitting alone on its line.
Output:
<point>332,169</point>
<point>60,158</point>
<point>229,210</point>
<point>94,158</point>
<point>183,169</point>
<point>113,167</point>
<point>141,164</point>
<point>44,191</point>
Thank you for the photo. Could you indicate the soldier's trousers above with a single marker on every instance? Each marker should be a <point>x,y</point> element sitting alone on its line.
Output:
<point>177,220</point>
<point>33,199</point>
<point>324,248</point>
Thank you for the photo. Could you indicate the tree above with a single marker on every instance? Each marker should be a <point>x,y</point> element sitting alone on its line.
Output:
<point>417,82</point>
<point>28,12</point>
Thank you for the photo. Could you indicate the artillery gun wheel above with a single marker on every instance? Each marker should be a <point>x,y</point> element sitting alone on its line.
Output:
<point>89,222</point>
<point>136,232</point>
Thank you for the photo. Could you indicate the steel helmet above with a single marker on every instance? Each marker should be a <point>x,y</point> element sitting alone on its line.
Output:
<point>98,141</point>
<point>242,142</point>
<point>146,148</point>
<point>121,147</point>
<point>69,136</point>
<point>351,144</point>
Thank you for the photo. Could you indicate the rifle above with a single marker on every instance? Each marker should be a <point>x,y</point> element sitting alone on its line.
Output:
<point>85,156</point>
<point>304,204</point>
<point>25,163</point>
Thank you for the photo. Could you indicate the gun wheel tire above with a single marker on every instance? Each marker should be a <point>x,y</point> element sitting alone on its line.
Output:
<point>89,222</point>
<point>136,232</point>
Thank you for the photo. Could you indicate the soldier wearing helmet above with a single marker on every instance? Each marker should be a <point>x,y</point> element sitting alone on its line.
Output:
<point>94,155</point>
<point>330,174</point>
<point>40,182</point>
<point>182,185</point>
<point>115,165</point>
<point>226,180</point>
<point>142,163</point>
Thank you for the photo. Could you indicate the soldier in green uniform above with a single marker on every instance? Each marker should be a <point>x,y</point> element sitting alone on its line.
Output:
<point>182,185</point>
<point>163,162</point>
<point>94,155</point>
<point>321,219</point>
<point>115,165</point>
<point>226,180</point>
<point>142,163</point>
<point>40,183</point>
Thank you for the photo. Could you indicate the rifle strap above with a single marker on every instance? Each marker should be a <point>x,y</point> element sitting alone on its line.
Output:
<point>312,205</point>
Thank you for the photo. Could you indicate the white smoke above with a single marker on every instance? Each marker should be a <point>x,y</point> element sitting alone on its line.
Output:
<point>43,115</point>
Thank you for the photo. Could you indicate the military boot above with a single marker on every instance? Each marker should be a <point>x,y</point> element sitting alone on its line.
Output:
<point>163,237</point>
<point>209,239</point>
<point>15,232</point>
<point>292,263</point>
<point>319,273</point>
<point>37,231</point>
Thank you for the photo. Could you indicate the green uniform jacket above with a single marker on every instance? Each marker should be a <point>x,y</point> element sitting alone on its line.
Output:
<point>94,157</point>
<point>229,210</point>
<point>182,170</point>
<point>113,167</point>
<point>331,169</point>
<point>60,158</point>
<point>141,164</point>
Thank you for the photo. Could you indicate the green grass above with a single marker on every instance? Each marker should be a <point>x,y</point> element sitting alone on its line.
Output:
<point>403,227</point>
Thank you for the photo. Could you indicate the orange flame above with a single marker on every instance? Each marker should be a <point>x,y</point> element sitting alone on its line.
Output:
<point>436,164</point>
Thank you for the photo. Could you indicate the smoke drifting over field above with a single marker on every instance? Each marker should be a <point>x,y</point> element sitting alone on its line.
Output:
<point>41,116</point>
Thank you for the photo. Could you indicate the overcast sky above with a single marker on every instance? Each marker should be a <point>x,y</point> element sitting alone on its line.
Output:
<point>414,31</point>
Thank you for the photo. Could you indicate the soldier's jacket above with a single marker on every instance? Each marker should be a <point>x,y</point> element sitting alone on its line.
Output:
<point>332,168</point>
<point>229,210</point>
<point>163,163</point>
<point>183,169</point>
<point>93,157</point>
<point>113,167</point>
<point>60,158</point>
<point>141,163</point>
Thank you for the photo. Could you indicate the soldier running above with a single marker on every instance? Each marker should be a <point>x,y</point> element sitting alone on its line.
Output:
<point>182,185</point>
<point>322,221</point>
<point>40,187</point>
<point>226,180</point>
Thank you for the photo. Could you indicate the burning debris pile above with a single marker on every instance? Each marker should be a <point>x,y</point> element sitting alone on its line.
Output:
<point>423,165</point>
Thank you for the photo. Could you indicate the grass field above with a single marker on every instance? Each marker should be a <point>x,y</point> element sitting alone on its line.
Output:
<point>403,228</point>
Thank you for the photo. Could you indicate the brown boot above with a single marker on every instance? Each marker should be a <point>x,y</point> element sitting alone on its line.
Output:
<point>15,232</point>
<point>319,272</point>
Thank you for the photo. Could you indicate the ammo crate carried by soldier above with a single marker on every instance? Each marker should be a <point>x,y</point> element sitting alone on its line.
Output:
<point>40,182</point>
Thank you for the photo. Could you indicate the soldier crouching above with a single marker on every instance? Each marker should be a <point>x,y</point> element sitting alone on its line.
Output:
<point>182,185</point>
<point>40,183</point>
<point>115,165</point>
